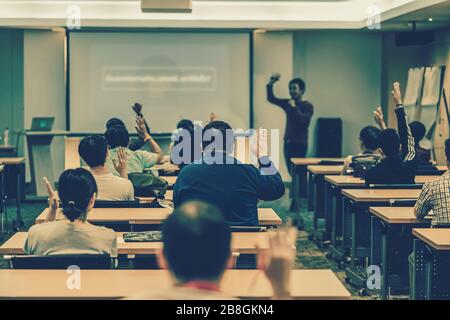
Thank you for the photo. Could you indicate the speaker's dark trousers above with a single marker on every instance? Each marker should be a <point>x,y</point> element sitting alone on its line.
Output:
<point>293,150</point>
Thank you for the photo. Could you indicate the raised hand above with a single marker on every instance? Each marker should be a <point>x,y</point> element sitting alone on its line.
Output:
<point>278,261</point>
<point>137,108</point>
<point>141,129</point>
<point>396,94</point>
<point>53,202</point>
<point>274,78</point>
<point>260,145</point>
<point>120,164</point>
<point>212,117</point>
<point>379,118</point>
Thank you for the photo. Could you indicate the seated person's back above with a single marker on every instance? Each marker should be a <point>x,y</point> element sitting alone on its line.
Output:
<point>368,139</point>
<point>197,251</point>
<point>435,196</point>
<point>73,235</point>
<point>423,155</point>
<point>235,188</point>
<point>94,151</point>
<point>396,167</point>
<point>184,149</point>
<point>137,161</point>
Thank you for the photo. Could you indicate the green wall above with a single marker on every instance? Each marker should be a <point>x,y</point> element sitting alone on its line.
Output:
<point>11,82</point>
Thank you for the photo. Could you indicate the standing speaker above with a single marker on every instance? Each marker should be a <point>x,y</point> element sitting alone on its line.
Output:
<point>329,137</point>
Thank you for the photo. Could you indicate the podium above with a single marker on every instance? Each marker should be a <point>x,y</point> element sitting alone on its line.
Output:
<point>40,158</point>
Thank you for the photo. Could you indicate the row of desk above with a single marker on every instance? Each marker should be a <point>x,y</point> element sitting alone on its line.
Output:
<point>378,227</point>
<point>119,283</point>
<point>114,284</point>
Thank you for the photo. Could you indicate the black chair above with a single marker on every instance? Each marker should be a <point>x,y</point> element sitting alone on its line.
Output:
<point>83,261</point>
<point>330,162</point>
<point>117,204</point>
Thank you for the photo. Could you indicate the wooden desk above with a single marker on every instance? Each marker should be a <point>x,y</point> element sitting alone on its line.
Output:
<point>350,181</point>
<point>397,215</point>
<point>431,249</point>
<point>357,221</point>
<point>12,161</point>
<point>381,195</point>
<point>16,166</point>
<point>241,242</point>
<point>442,168</point>
<point>316,192</point>
<point>438,239</point>
<point>150,216</point>
<point>299,177</point>
<point>391,237</point>
<point>111,284</point>
<point>333,207</point>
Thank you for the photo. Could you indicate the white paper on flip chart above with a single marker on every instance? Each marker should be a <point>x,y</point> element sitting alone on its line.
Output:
<point>431,86</point>
<point>413,86</point>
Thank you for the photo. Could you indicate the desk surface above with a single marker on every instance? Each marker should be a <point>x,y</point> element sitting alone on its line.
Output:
<point>438,238</point>
<point>350,181</point>
<point>242,242</point>
<point>397,215</point>
<point>12,161</point>
<point>267,216</point>
<point>380,195</point>
<point>310,161</point>
<point>316,169</point>
<point>305,284</point>
<point>171,181</point>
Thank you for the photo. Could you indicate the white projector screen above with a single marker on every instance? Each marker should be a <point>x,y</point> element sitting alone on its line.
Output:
<point>174,75</point>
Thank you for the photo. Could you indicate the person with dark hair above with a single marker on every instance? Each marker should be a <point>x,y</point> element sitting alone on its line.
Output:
<point>134,144</point>
<point>434,198</point>
<point>222,180</point>
<point>197,251</point>
<point>418,131</point>
<point>113,122</point>
<point>139,160</point>
<point>397,166</point>
<point>368,141</point>
<point>94,151</point>
<point>72,235</point>
<point>184,149</point>
<point>298,117</point>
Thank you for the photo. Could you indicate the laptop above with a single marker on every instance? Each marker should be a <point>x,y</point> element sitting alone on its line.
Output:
<point>42,123</point>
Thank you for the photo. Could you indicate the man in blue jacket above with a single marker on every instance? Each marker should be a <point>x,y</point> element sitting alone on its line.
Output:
<point>222,180</point>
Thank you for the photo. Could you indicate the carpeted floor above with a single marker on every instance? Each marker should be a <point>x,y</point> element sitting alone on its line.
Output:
<point>309,255</point>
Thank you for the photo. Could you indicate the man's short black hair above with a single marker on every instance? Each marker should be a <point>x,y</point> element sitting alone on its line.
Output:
<point>114,122</point>
<point>218,129</point>
<point>369,137</point>
<point>117,136</point>
<point>447,149</point>
<point>185,124</point>
<point>197,242</point>
<point>389,142</point>
<point>93,150</point>
<point>418,130</point>
<point>301,84</point>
